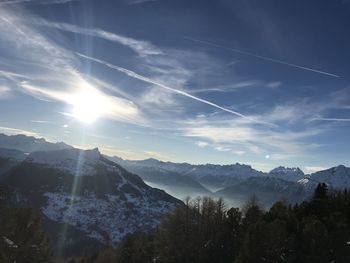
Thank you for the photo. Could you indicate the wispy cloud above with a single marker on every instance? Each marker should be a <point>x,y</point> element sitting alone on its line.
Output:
<point>53,71</point>
<point>142,48</point>
<point>224,134</point>
<point>4,92</point>
<point>202,144</point>
<point>13,131</point>
<point>227,87</point>
<point>273,84</point>
<point>39,121</point>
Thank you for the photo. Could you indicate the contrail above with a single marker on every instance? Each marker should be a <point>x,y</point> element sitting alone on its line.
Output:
<point>183,93</point>
<point>262,57</point>
<point>332,119</point>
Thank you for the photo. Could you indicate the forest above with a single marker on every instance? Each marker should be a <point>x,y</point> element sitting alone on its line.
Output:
<point>205,230</point>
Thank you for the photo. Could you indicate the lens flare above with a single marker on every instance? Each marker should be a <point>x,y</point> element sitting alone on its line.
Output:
<point>88,104</point>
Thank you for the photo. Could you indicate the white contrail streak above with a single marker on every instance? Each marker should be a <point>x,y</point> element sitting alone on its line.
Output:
<point>332,119</point>
<point>180,92</point>
<point>263,57</point>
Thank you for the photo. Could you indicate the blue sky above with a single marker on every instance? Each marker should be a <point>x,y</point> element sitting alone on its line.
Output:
<point>264,83</point>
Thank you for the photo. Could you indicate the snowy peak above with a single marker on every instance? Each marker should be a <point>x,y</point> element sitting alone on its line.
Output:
<point>293,174</point>
<point>74,161</point>
<point>29,144</point>
<point>335,177</point>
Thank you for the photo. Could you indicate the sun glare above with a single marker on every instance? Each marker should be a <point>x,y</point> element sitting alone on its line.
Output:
<point>88,104</point>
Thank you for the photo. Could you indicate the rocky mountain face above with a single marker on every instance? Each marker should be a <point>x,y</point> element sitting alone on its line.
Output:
<point>85,199</point>
<point>288,174</point>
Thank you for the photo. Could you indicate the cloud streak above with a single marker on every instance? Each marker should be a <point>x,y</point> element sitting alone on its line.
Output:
<point>13,131</point>
<point>263,57</point>
<point>142,48</point>
<point>333,119</point>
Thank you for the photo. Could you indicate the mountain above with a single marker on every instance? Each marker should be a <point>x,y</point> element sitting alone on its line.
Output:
<point>289,174</point>
<point>29,144</point>
<point>9,158</point>
<point>11,154</point>
<point>267,189</point>
<point>173,182</point>
<point>85,199</point>
<point>201,177</point>
<point>336,178</point>
<point>235,182</point>
<point>93,178</point>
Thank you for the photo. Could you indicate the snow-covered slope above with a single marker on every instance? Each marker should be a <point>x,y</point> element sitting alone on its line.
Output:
<point>104,202</point>
<point>29,144</point>
<point>289,174</point>
<point>75,161</point>
<point>336,178</point>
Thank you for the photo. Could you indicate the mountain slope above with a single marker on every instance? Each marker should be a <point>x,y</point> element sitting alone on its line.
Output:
<point>336,178</point>
<point>172,182</point>
<point>84,192</point>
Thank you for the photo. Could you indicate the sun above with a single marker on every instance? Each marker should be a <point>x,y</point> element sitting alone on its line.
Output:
<point>88,104</point>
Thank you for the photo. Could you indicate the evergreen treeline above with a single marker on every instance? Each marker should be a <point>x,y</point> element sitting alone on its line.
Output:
<point>204,230</point>
<point>21,237</point>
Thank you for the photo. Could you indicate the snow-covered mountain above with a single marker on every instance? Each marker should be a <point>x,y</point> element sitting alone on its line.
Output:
<point>179,179</point>
<point>74,161</point>
<point>210,176</point>
<point>173,182</point>
<point>231,178</point>
<point>200,170</point>
<point>336,178</point>
<point>83,191</point>
<point>29,144</point>
<point>289,174</point>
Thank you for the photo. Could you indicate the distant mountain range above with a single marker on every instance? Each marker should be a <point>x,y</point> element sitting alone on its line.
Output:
<point>235,182</point>
<point>90,197</point>
<point>80,193</point>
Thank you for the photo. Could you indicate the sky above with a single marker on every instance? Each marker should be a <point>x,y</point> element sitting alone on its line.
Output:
<point>264,83</point>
